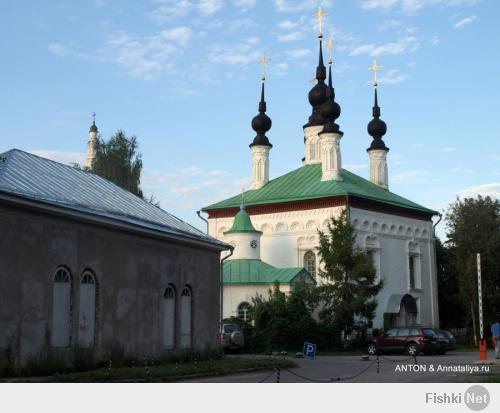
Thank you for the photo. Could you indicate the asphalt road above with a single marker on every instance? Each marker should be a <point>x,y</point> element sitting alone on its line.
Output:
<point>352,369</point>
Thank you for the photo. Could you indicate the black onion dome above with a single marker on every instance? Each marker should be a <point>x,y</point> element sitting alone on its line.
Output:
<point>93,127</point>
<point>261,123</point>
<point>377,128</point>
<point>318,94</point>
<point>330,110</point>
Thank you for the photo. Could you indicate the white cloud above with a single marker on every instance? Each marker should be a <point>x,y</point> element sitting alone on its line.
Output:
<point>147,57</point>
<point>393,76</point>
<point>280,69</point>
<point>290,37</point>
<point>389,24</point>
<point>298,53</point>
<point>65,157</point>
<point>408,44</point>
<point>172,9</point>
<point>465,22</point>
<point>410,7</point>
<point>296,5</point>
<point>245,4</point>
<point>210,6</point>
<point>59,49</point>
<point>287,24</point>
<point>410,177</point>
<point>492,190</point>
<point>243,52</point>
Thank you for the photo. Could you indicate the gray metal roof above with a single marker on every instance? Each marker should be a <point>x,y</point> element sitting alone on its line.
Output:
<point>30,176</point>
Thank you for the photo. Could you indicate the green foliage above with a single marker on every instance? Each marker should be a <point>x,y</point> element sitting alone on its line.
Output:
<point>473,226</point>
<point>349,285</point>
<point>282,322</point>
<point>118,161</point>
<point>451,308</point>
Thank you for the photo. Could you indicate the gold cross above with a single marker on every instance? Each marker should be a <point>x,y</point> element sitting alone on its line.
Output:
<point>375,69</point>
<point>313,79</point>
<point>264,62</point>
<point>330,49</point>
<point>93,116</point>
<point>320,14</point>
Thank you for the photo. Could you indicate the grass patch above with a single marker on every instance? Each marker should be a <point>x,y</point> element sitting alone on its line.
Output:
<point>495,378</point>
<point>170,371</point>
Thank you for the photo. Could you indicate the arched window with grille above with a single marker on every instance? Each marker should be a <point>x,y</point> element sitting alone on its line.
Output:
<point>310,263</point>
<point>169,318</point>
<point>186,317</point>
<point>61,308</point>
<point>86,325</point>
<point>244,311</point>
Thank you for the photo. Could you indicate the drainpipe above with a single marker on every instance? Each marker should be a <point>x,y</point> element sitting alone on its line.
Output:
<point>231,249</point>
<point>203,219</point>
<point>435,311</point>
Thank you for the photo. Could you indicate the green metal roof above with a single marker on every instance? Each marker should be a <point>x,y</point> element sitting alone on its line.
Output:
<point>242,223</point>
<point>258,272</point>
<point>305,183</point>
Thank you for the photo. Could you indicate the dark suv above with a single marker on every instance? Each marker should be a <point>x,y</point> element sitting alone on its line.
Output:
<point>410,340</point>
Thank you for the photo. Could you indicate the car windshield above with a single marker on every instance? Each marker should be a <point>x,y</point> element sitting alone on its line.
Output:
<point>231,328</point>
<point>429,332</point>
<point>448,334</point>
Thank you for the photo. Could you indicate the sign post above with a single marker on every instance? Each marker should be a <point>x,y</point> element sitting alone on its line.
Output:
<point>310,350</point>
<point>483,354</point>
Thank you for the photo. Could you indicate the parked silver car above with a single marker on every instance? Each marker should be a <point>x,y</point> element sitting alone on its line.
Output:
<point>231,337</point>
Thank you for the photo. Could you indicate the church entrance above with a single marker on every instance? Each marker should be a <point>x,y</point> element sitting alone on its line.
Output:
<point>407,314</point>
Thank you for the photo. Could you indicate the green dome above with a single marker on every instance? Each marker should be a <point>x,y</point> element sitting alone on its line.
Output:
<point>242,223</point>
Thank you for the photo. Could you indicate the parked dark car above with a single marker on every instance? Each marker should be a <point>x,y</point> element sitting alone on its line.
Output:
<point>409,340</point>
<point>446,341</point>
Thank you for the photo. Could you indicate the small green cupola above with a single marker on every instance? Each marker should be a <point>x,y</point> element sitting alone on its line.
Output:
<point>242,223</point>
<point>244,237</point>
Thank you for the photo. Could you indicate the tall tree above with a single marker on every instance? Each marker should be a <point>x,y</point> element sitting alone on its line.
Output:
<point>350,278</point>
<point>451,308</point>
<point>473,226</point>
<point>118,161</point>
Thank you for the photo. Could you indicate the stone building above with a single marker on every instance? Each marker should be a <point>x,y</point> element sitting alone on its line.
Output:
<point>246,275</point>
<point>289,210</point>
<point>86,264</point>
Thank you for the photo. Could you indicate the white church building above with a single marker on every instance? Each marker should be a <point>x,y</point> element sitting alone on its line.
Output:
<point>290,209</point>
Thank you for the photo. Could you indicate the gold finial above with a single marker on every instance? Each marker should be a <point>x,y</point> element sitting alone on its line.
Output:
<point>264,61</point>
<point>330,49</point>
<point>313,79</point>
<point>375,69</point>
<point>320,14</point>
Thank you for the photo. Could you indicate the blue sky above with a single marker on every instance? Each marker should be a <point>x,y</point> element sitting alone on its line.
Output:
<point>183,77</point>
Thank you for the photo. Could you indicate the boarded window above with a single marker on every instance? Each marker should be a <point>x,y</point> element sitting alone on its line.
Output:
<point>186,316</point>
<point>169,318</point>
<point>61,308</point>
<point>86,331</point>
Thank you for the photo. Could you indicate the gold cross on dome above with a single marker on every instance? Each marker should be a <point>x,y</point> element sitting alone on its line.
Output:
<point>264,61</point>
<point>313,79</point>
<point>320,14</point>
<point>330,49</point>
<point>375,69</point>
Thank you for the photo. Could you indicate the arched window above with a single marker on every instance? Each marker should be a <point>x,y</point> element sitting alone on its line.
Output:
<point>86,325</point>
<point>61,308</point>
<point>186,315</point>
<point>169,318</point>
<point>243,311</point>
<point>312,148</point>
<point>310,263</point>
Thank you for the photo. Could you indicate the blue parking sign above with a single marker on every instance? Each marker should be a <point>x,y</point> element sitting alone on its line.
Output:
<point>310,350</point>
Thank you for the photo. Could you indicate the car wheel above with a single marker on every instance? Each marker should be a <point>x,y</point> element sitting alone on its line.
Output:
<point>411,349</point>
<point>371,349</point>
